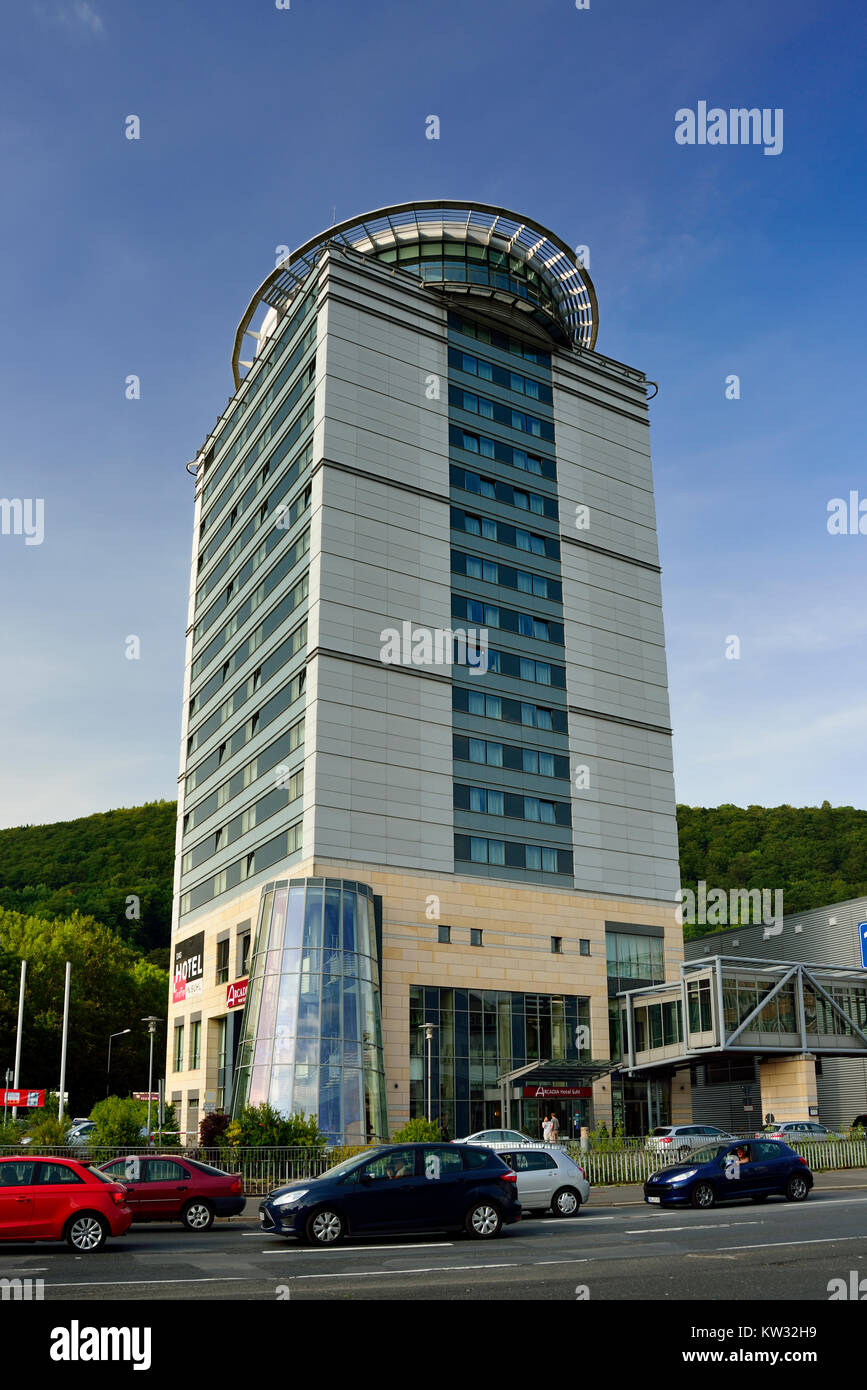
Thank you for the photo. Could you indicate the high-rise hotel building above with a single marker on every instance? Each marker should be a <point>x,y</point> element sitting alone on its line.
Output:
<point>376,833</point>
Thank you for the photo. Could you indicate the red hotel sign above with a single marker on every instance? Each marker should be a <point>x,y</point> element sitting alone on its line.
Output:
<point>558,1092</point>
<point>236,994</point>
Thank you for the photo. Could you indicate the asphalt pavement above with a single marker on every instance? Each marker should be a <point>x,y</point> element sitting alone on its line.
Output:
<point>617,1249</point>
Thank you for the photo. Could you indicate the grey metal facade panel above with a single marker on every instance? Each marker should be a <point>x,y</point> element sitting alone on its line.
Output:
<point>827,936</point>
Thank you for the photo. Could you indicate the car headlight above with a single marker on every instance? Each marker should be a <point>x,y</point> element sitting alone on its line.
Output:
<point>682,1177</point>
<point>289,1197</point>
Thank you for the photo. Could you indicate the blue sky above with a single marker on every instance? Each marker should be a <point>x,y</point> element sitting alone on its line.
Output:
<point>139,257</point>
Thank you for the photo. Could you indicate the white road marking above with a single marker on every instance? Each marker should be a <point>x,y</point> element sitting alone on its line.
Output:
<point>776,1244</point>
<point>712,1226</point>
<point>374,1273</point>
<point>132,1283</point>
<point>359,1249</point>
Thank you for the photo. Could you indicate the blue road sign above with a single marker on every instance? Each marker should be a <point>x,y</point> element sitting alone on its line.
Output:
<point>862,932</point>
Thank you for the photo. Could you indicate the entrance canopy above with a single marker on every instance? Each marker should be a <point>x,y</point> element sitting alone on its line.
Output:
<point>550,1081</point>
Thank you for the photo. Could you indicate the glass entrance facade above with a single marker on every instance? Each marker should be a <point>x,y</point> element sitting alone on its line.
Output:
<point>312,1033</point>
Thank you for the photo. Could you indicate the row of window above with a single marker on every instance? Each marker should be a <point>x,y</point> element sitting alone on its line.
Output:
<point>288,789</point>
<point>285,516</point>
<point>287,842</point>
<point>507,415</point>
<point>519,668</point>
<point>504,534</point>
<point>260,373</point>
<point>505,493</point>
<point>257,721</point>
<point>507,576</point>
<point>498,449</point>
<point>471,329</point>
<point>289,602</point>
<point>281,655</point>
<point>488,801</point>
<point>470,263</point>
<point>500,376</point>
<point>286,562</point>
<point>510,756</point>
<point>455,270</point>
<point>283,482</point>
<point>281,748</point>
<point>281,451</point>
<point>511,711</point>
<point>508,620</point>
<point>444,938</point>
<point>268,389</point>
<point>477,849</point>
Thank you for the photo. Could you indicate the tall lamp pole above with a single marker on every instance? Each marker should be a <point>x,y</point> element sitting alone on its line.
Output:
<point>151,1022</point>
<point>112,1036</point>
<point>428,1030</point>
<point>17,1076</point>
<point>64,1042</point>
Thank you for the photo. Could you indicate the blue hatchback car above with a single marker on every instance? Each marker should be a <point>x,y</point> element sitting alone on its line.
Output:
<point>757,1169</point>
<point>398,1187</point>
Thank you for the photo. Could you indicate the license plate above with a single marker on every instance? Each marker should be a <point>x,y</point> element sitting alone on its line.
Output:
<point>654,1199</point>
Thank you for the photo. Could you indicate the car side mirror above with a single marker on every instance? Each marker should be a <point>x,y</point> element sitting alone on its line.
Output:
<point>367,1179</point>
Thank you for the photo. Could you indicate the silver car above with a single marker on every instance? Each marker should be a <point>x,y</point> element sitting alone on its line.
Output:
<point>678,1141</point>
<point>493,1137</point>
<point>548,1179</point>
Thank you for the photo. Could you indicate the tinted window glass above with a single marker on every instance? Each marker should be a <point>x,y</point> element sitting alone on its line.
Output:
<point>163,1170</point>
<point>400,1163</point>
<point>52,1173</point>
<point>442,1159</point>
<point>15,1174</point>
<point>477,1158</point>
<point>767,1152</point>
<point>664,1129</point>
<point>206,1168</point>
<point>537,1161</point>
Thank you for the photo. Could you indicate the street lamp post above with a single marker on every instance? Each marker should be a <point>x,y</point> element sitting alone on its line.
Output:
<point>122,1032</point>
<point>428,1030</point>
<point>151,1022</point>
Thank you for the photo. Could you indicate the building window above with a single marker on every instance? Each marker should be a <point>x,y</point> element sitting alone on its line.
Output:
<point>222,961</point>
<point>444,935</point>
<point>178,1060</point>
<point>583,947</point>
<point>195,1044</point>
<point>243,953</point>
<point>475,936</point>
<point>557,945</point>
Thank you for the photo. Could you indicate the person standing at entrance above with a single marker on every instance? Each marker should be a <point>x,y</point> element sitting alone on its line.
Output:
<point>555,1128</point>
<point>546,1130</point>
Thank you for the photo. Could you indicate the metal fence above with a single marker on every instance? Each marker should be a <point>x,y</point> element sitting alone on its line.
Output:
<point>266,1168</point>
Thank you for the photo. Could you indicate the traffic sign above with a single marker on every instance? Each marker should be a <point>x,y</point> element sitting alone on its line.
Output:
<point>862,933</point>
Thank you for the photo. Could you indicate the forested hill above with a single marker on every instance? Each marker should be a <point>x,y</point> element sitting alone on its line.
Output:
<point>815,854</point>
<point>95,865</point>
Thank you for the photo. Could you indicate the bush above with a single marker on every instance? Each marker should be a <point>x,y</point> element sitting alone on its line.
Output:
<point>417,1132</point>
<point>263,1126</point>
<point>212,1130</point>
<point>47,1132</point>
<point>11,1132</point>
<point>119,1121</point>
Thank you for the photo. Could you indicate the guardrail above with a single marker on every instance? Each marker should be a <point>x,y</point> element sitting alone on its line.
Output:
<point>263,1169</point>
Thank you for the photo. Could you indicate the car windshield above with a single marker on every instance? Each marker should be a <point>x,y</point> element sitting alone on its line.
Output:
<point>103,1177</point>
<point>349,1163</point>
<point>708,1154</point>
<point>665,1129</point>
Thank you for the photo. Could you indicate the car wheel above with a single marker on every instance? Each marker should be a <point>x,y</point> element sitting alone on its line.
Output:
<point>797,1188</point>
<point>198,1215</point>
<point>86,1231</point>
<point>483,1221</point>
<point>703,1195</point>
<point>325,1227</point>
<point>566,1202</point>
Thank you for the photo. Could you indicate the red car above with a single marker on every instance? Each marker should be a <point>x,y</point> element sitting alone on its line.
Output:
<point>168,1188</point>
<point>60,1199</point>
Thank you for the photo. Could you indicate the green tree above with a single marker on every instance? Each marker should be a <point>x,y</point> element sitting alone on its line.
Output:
<point>417,1132</point>
<point>262,1125</point>
<point>119,1121</point>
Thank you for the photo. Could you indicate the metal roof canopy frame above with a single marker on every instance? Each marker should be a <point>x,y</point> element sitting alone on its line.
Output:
<point>555,262</point>
<point>800,970</point>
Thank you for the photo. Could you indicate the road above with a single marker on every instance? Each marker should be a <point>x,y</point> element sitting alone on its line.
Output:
<point>774,1252</point>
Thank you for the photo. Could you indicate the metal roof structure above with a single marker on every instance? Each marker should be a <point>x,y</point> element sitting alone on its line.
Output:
<point>484,224</point>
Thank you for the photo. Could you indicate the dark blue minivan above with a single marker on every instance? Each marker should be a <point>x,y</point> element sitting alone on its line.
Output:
<point>757,1169</point>
<point>398,1187</point>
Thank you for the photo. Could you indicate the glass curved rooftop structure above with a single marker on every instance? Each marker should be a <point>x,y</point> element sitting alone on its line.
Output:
<point>458,247</point>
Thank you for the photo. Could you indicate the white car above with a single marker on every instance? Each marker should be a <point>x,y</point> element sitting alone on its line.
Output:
<point>548,1179</point>
<point>679,1141</point>
<point>796,1131</point>
<point>493,1137</point>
